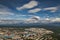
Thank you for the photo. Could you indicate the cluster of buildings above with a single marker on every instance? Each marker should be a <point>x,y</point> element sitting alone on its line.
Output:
<point>25,34</point>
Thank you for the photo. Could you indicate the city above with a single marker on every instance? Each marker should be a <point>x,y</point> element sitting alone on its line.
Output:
<point>25,34</point>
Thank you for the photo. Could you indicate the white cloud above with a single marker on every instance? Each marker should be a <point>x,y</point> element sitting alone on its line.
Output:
<point>22,15</point>
<point>34,10</point>
<point>47,19</point>
<point>56,20</point>
<point>50,20</point>
<point>29,5</point>
<point>52,9</point>
<point>33,19</point>
<point>5,11</point>
<point>37,19</point>
<point>6,14</point>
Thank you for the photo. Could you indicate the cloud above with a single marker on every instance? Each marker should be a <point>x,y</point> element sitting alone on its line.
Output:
<point>6,14</point>
<point>47,19</point>
<point>34,10</point>
<point>22,15</point>
<point>56,20</point>
<point>37,19</point>
<point>50,20</point>
<point>51,9</point>
<point>33,19</point>
<point>29,5</point>
<point>5,11</point>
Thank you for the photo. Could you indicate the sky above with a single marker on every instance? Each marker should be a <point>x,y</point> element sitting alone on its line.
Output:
<point>30,11</point>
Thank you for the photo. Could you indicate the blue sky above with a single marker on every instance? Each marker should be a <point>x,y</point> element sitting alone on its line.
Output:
<point>27,9</point>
